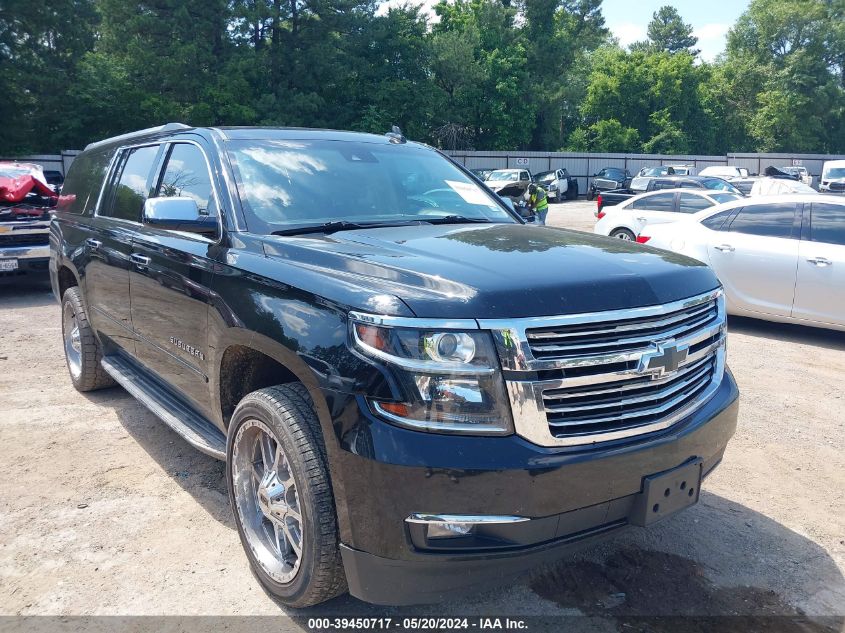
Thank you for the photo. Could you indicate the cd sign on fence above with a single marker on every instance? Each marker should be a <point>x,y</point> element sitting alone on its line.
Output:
<point>522,162</point>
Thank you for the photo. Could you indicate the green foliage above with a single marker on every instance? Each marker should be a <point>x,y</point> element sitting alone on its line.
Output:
<point>488,74</point>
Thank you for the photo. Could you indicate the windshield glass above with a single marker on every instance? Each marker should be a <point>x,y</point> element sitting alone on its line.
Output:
<point>724,197</point>
<point>501,174</point>
<point>285,184</point>
<point>834,172</point>
<point>545,177</point>
<point>720,185</point>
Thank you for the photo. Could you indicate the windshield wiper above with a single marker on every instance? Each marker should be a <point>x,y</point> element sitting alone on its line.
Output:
<point>332,227</point>
<point>456,219</point>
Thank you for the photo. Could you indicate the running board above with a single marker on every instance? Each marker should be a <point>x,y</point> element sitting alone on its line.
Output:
<point>195,429</point>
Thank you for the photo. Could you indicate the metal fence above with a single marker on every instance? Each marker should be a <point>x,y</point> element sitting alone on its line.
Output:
<point>583,166</point>
<point>52,162</point>
<point>580,165</point>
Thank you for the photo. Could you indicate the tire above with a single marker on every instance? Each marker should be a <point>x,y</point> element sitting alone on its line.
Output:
<point>623,234</point>
<point>82,349</point>
<point>591,194</point>
<point>303,571</point>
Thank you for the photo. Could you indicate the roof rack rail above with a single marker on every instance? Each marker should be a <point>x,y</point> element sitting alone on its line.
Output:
<point>167,127</point>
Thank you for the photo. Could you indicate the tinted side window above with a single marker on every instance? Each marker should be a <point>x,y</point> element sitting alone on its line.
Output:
<point>768,220</point>
<point>716,221</point>
<point>690,203</point>
<point>658,202</point>
<point>132,187</point>
<point>186,175</point>
<point>84,181</point>
<point>828,223</point>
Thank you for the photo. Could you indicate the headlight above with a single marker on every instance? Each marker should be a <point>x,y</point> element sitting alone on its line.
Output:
<point>448,381</point>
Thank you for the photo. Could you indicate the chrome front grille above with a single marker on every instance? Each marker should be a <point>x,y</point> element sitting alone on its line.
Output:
<point>589,378</point>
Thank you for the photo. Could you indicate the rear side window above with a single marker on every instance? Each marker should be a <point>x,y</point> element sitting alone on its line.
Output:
<point>691,203</point>
<point>186,175</point>
<point>658,202</point>
<point>828,223</point>
<point>84,181</point>
<point>133,185</point>
<point>767,220</point>
<point>715,221</point>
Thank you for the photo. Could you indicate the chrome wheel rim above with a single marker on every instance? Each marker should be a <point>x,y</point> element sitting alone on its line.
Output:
<point>267,501</point>
<point>624,236</point>
<point>73,342</point>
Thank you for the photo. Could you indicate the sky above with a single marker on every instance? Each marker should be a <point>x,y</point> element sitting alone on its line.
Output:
<point>628,19</point>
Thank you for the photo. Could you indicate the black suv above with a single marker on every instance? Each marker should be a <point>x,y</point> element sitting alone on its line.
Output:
<point>414,391</point>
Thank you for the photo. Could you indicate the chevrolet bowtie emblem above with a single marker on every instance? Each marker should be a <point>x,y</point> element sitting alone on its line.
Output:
<point>664,359</point>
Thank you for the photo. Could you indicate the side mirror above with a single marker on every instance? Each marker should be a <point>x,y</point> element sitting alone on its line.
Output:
<point>178,214</point>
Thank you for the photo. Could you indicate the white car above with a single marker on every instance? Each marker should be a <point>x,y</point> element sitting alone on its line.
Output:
<point>724,171</point>
<point>780,187</point>
<point>627,219</point>
<point>780,258</point>
<point>833,177</point>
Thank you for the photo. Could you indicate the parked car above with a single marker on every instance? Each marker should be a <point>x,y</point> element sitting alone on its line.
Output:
<point>665,170</point>
<point>833,177</point>
<point>724,171</point>
<point>798,172</point>
<point>26,202</point>
<point>780,258</point>
<point>745,185</point>
<point>779,187</point>
<point>608,179</point>
<point>626,220</point>
<point>558,184</point>
<point>509,183</point>
<point>482,173</point>
<point>644,184</point>
<point>397,414</point>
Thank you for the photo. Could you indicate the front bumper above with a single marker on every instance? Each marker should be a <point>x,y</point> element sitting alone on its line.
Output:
<point>573,497</point>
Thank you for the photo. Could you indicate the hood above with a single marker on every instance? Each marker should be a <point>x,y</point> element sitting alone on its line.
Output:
<point>495,271</point>
<point>500,184</point>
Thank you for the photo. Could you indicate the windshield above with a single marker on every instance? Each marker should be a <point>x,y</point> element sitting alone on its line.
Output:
<point>720,185</point>
<point>545,177</point>
<point>724,197</point>
<point>284,184</point>
<point>654,171</point>
<point>503,175</point>
<point>834,173</point>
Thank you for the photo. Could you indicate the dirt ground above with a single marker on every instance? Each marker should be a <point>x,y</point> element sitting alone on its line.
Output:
<point>104,510</point>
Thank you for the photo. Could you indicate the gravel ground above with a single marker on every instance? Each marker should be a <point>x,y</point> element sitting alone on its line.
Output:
<point>104,510</point>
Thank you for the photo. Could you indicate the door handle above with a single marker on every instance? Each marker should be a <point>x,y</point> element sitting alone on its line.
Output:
<point>139,260</point>
<point>642,219</point>
<point>725,248</point>
<point>93,244</point>
<point>820,261</point>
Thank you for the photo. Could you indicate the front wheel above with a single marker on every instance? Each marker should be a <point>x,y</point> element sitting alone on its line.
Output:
<point>623,234</point>
<point>591,194</point>
<point>282,498</point>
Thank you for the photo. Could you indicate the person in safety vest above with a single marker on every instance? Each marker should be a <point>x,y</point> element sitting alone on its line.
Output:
<point>538,202</point>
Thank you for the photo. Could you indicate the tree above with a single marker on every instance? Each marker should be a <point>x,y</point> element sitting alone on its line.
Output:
<point>668,32</point>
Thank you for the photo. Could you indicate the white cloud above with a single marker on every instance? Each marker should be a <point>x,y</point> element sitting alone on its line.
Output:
<point>711,39</point>
<point>627,33</point>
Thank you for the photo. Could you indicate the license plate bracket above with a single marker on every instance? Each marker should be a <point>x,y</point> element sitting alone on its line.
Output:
<point>666,493</point>
<point>8,265</point>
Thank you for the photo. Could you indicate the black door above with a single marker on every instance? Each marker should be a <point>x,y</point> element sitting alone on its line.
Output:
<point>170,282</point>
<point>109,246</point>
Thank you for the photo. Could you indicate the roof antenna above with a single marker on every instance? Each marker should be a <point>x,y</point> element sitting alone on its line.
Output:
<point>395,135</point>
